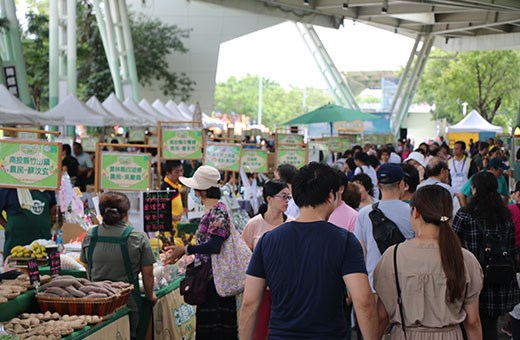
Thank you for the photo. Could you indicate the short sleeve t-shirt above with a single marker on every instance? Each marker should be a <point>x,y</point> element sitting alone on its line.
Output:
<point>344,217</point>
<point>255,228</point>
<point>304,265</point>
<point>395,210</point>
<point>502,187</point>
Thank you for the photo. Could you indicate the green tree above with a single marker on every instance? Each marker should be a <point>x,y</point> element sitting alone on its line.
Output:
<point>153,41</point>
<point>488,81</point>
<point>278,104</point>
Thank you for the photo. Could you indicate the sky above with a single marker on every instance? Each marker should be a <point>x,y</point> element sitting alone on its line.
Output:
<point>280,54</point>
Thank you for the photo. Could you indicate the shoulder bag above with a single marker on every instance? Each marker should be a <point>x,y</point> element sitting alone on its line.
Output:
<point>398,287</point>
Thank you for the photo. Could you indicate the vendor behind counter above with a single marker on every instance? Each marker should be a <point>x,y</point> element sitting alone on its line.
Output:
<point>29,216</point>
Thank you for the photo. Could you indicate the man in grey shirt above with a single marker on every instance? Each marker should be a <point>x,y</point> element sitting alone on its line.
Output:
<point>438,173</point>
<point>391,183</point>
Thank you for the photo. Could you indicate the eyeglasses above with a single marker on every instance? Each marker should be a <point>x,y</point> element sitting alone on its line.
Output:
<point>284,197</point>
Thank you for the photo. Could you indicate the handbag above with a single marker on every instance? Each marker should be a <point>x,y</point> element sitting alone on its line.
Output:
<point>194,286</point>
<point>230,265</point>
<point>398,287</point>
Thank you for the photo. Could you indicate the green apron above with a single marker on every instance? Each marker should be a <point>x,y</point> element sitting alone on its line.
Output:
<point>123,243</point>
<point>25,226</point>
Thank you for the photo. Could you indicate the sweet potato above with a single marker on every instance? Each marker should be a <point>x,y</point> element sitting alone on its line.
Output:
<point>96,296</point>
<point>94,289</point>
<point>75,292</point>
<point>57,291</point>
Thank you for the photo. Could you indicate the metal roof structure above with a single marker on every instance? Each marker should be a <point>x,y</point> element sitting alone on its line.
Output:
<point>456,24</point>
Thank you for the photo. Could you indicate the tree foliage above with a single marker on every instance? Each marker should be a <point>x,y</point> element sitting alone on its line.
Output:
<point>278,104</point>
<point>488,81</point>
<point>153,42</point>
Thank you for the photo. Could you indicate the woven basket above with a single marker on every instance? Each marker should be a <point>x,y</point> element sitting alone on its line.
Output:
<point>82,306</point>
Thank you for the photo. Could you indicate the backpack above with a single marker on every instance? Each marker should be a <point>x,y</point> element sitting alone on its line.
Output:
<point>496,261</point>
<point>385,231</point>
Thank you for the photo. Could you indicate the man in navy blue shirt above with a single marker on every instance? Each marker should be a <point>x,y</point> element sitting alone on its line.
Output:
<point>307,265</point>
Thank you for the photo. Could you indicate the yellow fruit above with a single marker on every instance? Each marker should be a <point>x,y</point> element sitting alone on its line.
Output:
<point>35,245</point>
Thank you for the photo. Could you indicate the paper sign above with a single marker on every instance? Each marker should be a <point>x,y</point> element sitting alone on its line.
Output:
<point>54,261</point>
<point>125,171</point>
<point>223,156</point>
<point>157,210</point>
<point>254,160</point>
<point>152,141</point>
<point>34,273</point>
<point>289,138</point>
<point>136,134</point>
<point>31,165</point>
<point>182,144</point>
<point>298,158</point>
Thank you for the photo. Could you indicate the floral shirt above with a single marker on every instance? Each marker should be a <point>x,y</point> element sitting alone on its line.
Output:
<point>215,221</point>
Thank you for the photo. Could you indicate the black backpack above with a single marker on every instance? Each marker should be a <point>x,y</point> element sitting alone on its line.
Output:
<point>385,231</point>
<point>494,257</point>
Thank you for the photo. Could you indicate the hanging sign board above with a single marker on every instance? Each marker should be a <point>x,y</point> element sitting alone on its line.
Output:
<point>254,160</point>
<point>152,141</point>
<point>136,134</point>
<point>335,144</point>
<point>157,210</point>
<point>314,150</point>
<point>288,139</point>
<point>125,171</point>
<point>223,156</point>
<point>296,157</point>
<point>182,144</point>
<point>30,164</point>
<point>89,144</point>
<point>356,126</point>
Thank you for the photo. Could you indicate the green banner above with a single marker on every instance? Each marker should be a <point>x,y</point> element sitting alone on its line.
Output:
<point>289,138</point>
<point>125,171</point>
<point>223,156</point>
<point>298,158</point>
<point>30,165</point>
<point>136,134</point>
<point>182,144</point>
<point>89,144</point>
<point>254,160</point>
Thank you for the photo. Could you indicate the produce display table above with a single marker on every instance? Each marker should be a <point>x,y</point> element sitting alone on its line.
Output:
<point>23,303</point>
<point>117,326</point>
<point>170,318</point>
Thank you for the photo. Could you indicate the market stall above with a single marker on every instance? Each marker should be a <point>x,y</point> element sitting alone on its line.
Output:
<point>474,127</point>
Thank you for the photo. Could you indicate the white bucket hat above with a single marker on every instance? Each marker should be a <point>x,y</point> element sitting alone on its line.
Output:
<point>416,156</point>
<point>204,178</point>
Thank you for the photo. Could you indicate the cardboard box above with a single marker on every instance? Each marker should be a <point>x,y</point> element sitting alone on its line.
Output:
<point>71,231</point>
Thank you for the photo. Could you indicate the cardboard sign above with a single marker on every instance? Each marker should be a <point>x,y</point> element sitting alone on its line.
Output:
<point>254,160</point>
<point>125,171</point>
<point>223,156</point>
<point>182,144</point>
<point>157,210</point>
<point>30,165</point>
<point>54,262</point>
<point>34,273</point>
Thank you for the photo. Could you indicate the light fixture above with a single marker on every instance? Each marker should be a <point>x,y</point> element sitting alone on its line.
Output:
<point>384,9</point>
<point>395,30</point>
<point>345,5</point>
<point>306,2</point>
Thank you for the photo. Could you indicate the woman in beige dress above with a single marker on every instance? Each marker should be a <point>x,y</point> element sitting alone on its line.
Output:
<point>439,281</point>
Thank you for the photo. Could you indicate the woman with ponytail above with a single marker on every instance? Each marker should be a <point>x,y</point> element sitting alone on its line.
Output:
<point>271,214</point>
<point>487,214</point>
<point>440,282</point>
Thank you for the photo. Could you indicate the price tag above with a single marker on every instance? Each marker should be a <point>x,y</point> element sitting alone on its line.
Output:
<point>34,273</point>
<point>54,262</point>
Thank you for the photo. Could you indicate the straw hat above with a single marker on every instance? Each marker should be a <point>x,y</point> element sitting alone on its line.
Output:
<point>204,178</point>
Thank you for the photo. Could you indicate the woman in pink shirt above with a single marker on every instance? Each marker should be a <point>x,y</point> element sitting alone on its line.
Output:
<point>271,214</point>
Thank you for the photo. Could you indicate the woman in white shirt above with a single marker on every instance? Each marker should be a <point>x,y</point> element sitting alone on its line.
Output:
<point>363,167</point>
<point>271,214</point>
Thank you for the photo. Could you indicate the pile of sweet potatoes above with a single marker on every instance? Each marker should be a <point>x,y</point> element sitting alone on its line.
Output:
<point>71,287</point>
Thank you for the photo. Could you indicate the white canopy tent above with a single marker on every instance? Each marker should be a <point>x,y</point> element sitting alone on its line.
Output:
<point>179,113</point>
<point>71,111</point>
<point>145,105</point>
<point>185,109</point>
<point>474,122</point>
<point>131,105</point>
<point>127,117</point>
<point>96,105</point>
<point>209,122</point>
<point>13,111</point>
<point>159,106</point>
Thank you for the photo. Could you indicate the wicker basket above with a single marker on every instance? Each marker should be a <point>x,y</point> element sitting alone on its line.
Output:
<point>82,306</point>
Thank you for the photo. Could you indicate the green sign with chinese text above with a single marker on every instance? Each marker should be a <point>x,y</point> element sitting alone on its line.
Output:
<point>296,157</point>
<point>125,171</point>
<point>289,139</point>
<point>254,160</point>
<point>31,165</point>
<point>223,156</point>
<point>182,144</point>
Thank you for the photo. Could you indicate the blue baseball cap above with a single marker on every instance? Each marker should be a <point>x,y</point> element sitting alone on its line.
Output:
<point>390,173</point>
<point>497,163</point>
